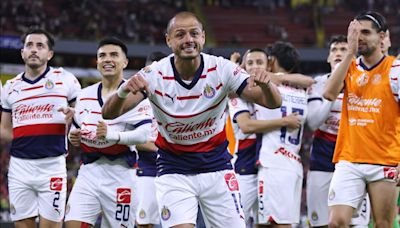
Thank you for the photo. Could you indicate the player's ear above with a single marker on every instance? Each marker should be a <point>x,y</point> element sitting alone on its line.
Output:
<point>125,63</point>
<point>50,55</point>
<point>167,39</point>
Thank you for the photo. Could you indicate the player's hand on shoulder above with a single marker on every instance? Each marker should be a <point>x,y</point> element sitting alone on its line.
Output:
<point>292,121</point>
<point>75,137</point>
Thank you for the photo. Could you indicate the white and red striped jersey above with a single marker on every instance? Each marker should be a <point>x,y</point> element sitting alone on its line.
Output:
<point>280,148</point>
<point>245,154</point>
<point>191,115</point>
<point>88,114</point>
<point>38,128</point>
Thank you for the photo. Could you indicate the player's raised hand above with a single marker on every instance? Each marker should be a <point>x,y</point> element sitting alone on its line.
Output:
<point>353,33</point>
<point>101,131</point>
<point>135,84</point>
<point>259,77</point>
<point>292,121</point>
<point>235,57</point>
<point>75,137</point>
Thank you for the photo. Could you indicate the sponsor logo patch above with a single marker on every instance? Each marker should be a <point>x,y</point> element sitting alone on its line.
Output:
<point>231,181</point>
<point>56,183</point>
<point>123,195</point>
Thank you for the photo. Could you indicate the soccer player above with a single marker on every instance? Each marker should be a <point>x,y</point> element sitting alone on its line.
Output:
<point>280,173</point>
<point>188,92</point>
<point>147,213</point>
<point>324,118</point>
<point>368,145</point>
<point>245,126</point>
<point>32,109</point>
<point>106,183</point>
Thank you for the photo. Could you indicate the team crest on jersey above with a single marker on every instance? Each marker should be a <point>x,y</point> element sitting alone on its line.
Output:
<point>142,214</point>
<point>209,91</point>
<point>362,80</point>
<point>165,213</point>
<point>314,216</point>
<point>49,84</point>
<point>376,79</point>
<point>234,101</point>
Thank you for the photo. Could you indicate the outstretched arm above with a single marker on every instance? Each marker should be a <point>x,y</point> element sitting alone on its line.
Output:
<point>298,80</point>
<point>128,96</point>
<point>261,90</point>
<point>250,126</point>
<point>335,82</point>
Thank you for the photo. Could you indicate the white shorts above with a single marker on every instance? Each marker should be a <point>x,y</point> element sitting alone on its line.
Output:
<point>107,187</point>
<point>349,182</point>
<point>279,196</point>
<point>147,209</point>
<point>37,187</point>
<point>217,193</point>
<point>317,201</point>
<point>248,192</point>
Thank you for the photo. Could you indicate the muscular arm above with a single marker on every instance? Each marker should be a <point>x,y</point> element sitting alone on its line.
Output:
<point>116,106</point>
<point>6,127</point>
<point>335,82</point>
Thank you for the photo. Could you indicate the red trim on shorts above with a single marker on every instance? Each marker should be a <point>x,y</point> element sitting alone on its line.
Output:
<point>211,144</point>
<point>39,129</point>
<point>246,143</point>
<point>112,150</point>
<point>325,135</point>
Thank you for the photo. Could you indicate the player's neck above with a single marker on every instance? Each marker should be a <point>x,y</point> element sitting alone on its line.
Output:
<point>110,84</point>
<point>187,67</point>
<point>372,59</point>
<point>33,73</point>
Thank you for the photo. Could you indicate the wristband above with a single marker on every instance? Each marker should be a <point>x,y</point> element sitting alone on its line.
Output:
<point>121,92</point>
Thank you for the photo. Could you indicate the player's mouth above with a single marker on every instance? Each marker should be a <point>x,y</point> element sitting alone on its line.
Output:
<point>33,57</point>
<point>337,60</point>
<point>108,67</point>
<point>189,48</point>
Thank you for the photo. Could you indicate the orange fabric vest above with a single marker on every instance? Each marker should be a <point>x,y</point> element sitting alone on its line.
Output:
<point>370,124</point>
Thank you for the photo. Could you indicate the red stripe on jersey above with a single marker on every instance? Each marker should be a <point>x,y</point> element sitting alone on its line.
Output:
<point>39,129</point>
<point>246,143</point>
<point>396,65</point>
<point>212,143</point>
<point>212,69</point>
<point>394,79</point>
<point>325,135</point>
<point>44,96</point>
<point>32,88</point>
<point>189,116</point>
<point>93,112</point>
<point>158,92</point>
<point>203,76</point>
<point>59,83</point>
<point>336,111</point>
<point>88,124</point>
<point>168,77</point>
<point>218,87</point>
<point>189,97</point>
<point>88,99</point>
<point>57,71</point>
<point>113,150</point>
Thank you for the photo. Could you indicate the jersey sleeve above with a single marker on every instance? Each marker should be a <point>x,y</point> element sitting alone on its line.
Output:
<point>237,106</point>
<point>74,87</point>
<point>140,115</point>
<point>5,106</point>
<point>233,76</point>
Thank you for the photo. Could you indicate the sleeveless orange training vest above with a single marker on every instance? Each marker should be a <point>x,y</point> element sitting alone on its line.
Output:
<point>370,124</point>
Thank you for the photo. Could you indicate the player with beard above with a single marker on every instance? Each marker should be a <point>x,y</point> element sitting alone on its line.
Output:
<point>324,118</point>
<point>34,106</point>
<point>368,145</point>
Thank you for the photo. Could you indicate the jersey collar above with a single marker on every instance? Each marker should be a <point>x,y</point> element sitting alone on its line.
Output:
<point>37,79</point>
<point>196,78</point>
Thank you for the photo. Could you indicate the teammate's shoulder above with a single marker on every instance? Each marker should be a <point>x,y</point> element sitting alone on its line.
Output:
<point>62,72</point>
<point>93,87</point>
<point>13,80</point>
<point>321,78</point>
